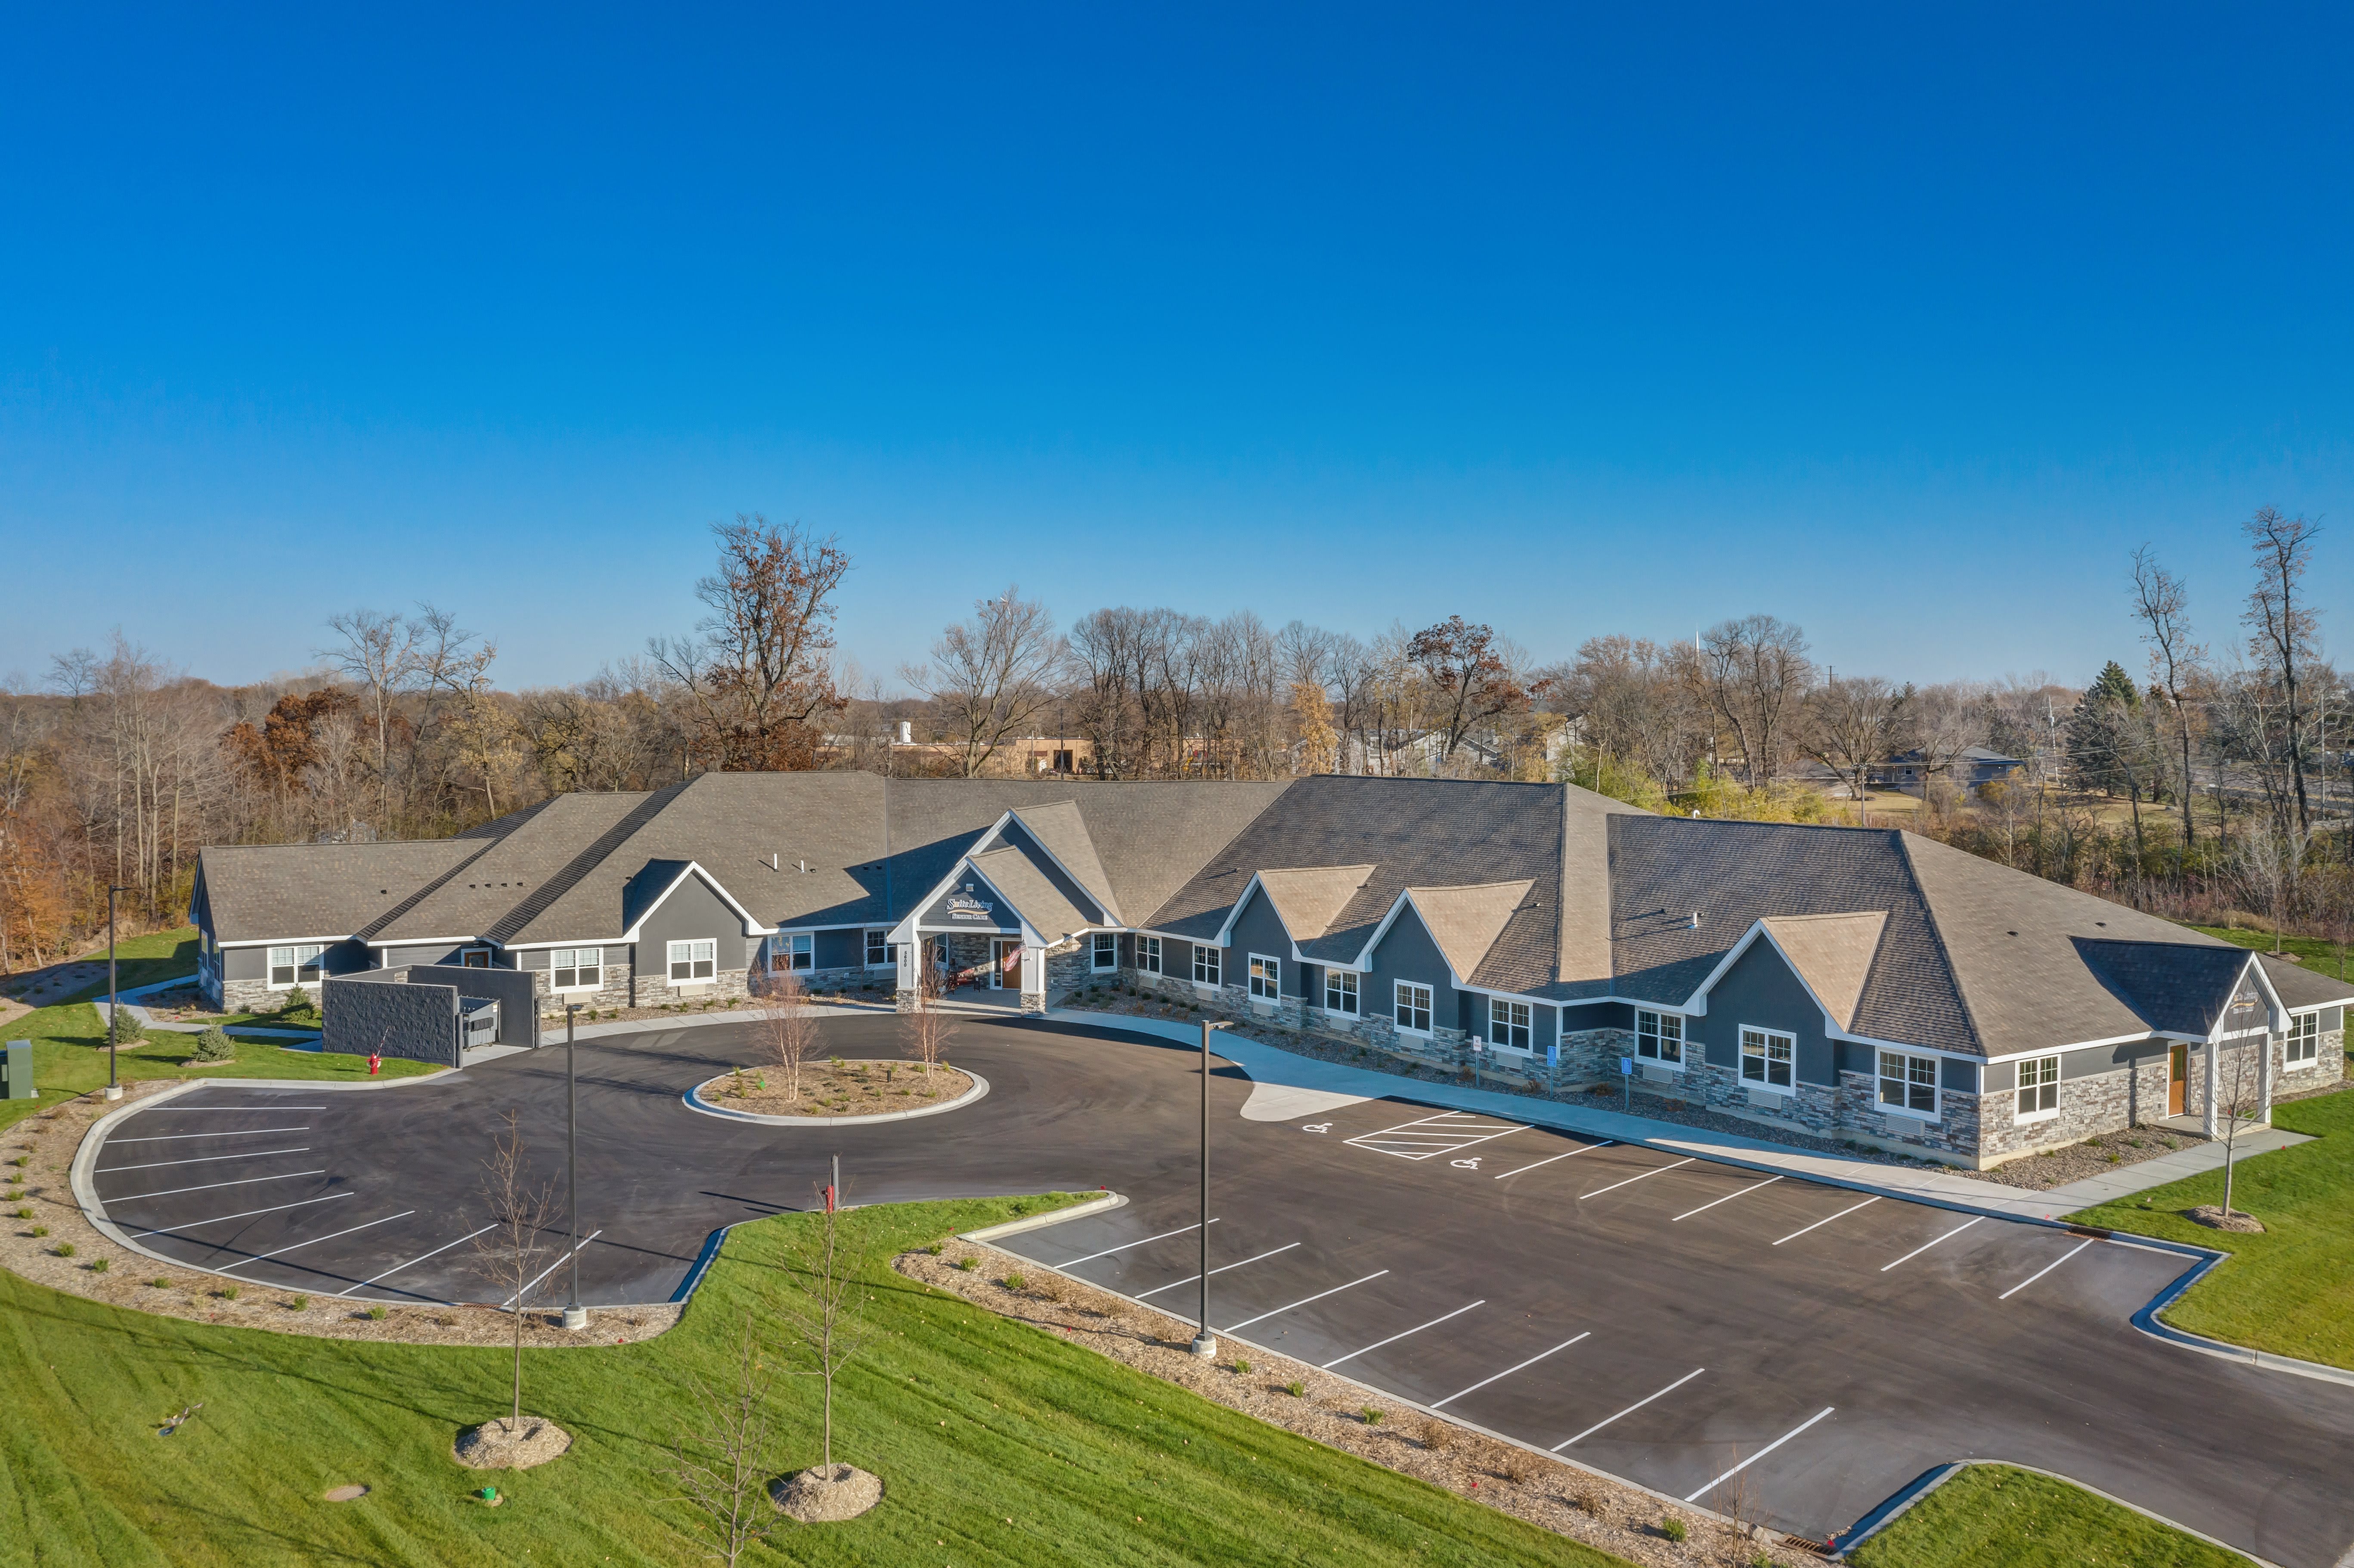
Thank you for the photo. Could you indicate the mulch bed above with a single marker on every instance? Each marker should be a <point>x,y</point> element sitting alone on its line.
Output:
<point>1551,1493</point>
<point>839,1088</point>
<point>133,1280</point>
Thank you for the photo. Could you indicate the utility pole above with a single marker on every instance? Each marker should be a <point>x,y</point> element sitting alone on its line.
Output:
<point>113,1002</point>
<point>1205,1345</point>
<point>575,1315</point>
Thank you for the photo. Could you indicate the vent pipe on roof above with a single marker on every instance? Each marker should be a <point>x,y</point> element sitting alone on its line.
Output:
<point>1695,920</point>
<point>776,860</point>
<point>803,864</point>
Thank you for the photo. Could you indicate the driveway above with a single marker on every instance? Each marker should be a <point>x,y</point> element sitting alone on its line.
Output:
<point>1798,1351</point>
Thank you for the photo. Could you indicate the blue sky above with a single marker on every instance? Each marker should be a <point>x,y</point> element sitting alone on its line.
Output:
<point>1904,324</point>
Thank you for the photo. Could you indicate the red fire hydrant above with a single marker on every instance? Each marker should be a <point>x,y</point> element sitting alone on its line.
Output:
<point>375,1061</point>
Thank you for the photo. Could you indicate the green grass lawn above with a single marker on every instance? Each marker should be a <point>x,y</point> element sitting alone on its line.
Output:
<point>70,1039</point>
<point>2321,957</point>
<point>1992,1516</point>
<point>2291,1289</point>
<point>971,1421</point>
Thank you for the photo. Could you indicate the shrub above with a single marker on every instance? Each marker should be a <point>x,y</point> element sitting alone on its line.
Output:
<point>227,1293</point>
<point>377,1314</point>
<point>1437,1435</point>
<point>1294,1388</point>
<point>21,1212</point>
<point>100,1265</point>
<point>934,1249</point>
<point>968,1264</point>
<point>40,1230</point>
<point>1241,1365</point>
<point>297,1303</point>
<point>215,1045</point>
<point>65,1249</point>
<point>1673,1527</point>
<point>1370,1416</point>
<point>297,1001</point>
<point>159,1283</point>
<point>1017,1282</point>
<point>21,1162</point>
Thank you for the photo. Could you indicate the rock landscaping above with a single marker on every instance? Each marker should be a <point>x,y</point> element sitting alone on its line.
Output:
<point>833,1087</point>
<point>505,1444</point>
<point>1552,1493</point>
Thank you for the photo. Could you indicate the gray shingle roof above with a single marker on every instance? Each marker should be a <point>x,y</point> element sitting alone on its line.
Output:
<point>257,891</point>
<point>1832,953</point>
<point>2300,987</point>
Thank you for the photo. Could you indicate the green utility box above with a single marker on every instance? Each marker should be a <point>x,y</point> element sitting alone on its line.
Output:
<point>16,1072</point>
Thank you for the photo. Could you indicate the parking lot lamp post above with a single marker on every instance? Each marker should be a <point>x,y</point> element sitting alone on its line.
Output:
<point>1205,1345</point>
<point>575,1315</point>
<point>113,1002</point>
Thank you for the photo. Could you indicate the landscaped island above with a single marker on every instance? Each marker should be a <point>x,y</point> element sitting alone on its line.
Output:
<point>839,1088</point>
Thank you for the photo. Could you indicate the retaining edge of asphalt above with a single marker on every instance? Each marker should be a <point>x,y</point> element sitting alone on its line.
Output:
<point>1913,1491</point>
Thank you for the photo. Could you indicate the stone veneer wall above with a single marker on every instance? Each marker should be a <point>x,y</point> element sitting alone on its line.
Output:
<point>252,996</point>
<point>2327,1071</point>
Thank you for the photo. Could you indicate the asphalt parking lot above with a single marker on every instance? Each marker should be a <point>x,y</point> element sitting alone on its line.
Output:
<point>1797,1350</point>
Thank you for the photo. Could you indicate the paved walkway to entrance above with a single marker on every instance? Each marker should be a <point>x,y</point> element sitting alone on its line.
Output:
<point>1308,1085</point>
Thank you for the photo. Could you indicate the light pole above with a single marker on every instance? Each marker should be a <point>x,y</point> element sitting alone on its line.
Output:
<point>575,1315</point>
<point>113,1002</point>
<point>1205,1345</point>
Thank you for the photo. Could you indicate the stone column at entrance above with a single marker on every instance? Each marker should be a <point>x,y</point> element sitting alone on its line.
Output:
<point>1033,979</point>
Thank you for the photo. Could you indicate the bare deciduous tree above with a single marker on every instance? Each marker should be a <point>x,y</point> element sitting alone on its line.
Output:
<point>723,1470</point>
<point>760,667</point>
<point>930,1024</point>
<point>506,1254</point>
<point>1755,673</point>
<point>2280,626</point>
<point>381,655</point>
<point>1853,726</point>
<point>786,1027</point>
<point>991,676</point>
<point>1472,676</point>
<point>825,1313</point>
<point>2162,604</point>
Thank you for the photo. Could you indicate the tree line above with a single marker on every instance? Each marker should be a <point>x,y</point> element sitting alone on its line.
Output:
<point>2207,780</point>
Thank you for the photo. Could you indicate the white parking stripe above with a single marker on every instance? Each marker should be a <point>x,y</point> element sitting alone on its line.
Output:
<point>1394,1339</point>
<point>1630,1409</point>
<point>1712,1202</point>
<point>1214,1273</point>
<point>1123,1247</point>
<point>216,1219</point>
<point>551,1268</point>
<point>421,1257</point>
<point>1606,1143</point>
<point>1510,1371</point>
<point>200,1160</point>
<point>1827,1219</point>
<point>315,1241</point>
<point>1441,1134</point>
<point>1761,1453</point>
<point>159,1110</point>
<point>1630,1180</point>
<point>183,1136</point>
<point>1924,1246</point>
<point>215,1186</point>
<point>1303,1302</point>
<point>2044,1270</point>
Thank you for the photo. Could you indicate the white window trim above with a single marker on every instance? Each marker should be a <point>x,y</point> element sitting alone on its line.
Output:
<point>1148,956</point>
<point>2294,1064</point>
<point>489,962</point>
<point>1217,961</point>
<point>1430,1006</point>
<point>1098,945</point>
<point>672,961</point>
<point>1275,970</point>
<point>1741,1065</point>
<point>2018,1117</point>
<point>866,946</point>
<point>1529,1024</point>
<point>268,965</point>
<point>578,984</point>
<point>1936,1087</point>
<point>1354,991</point>
<point>1684,1041</point>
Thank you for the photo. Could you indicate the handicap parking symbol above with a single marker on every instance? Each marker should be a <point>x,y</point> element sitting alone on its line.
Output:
<point>1470,1164</point>
<point>1317,1127</point>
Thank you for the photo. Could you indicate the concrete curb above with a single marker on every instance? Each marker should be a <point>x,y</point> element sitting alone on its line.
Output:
<point>1104,1205</point>
<point>552,1028</point>
<point>695,1102</point>
<point>1889,1512</point>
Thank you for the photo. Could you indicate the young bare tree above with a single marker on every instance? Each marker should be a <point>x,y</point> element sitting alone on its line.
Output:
<point>2239,1090</point>
<point>760,667</point>
<point>722,1470</point>
<point>930,1024</point>
<point>380,654</point>
<point>2281,625</point>
<point>992,674</point>
<point>1852,726</point>
<point>2163,605</point>
<point>506,1254</point>
<point>823,1311</point>
<point>787,1028</point>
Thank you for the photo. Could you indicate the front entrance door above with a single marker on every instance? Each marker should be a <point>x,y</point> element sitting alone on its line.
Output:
<point>999,949</point>
<point>2178,1078</point>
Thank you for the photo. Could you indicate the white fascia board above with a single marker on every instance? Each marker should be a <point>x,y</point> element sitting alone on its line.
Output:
<point>912,926</point>
<point>1363,962</point>
<point>1696,1004</point>
<point>2275,1017</point>
<point>430,941</point>
<point>1225,939</point>
<point>752,926</point>
<point>283,941</point>
<point>564,942</point>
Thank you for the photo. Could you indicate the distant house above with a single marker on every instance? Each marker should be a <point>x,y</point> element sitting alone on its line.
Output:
<point>1973,767</point>
<point>1857,983</point>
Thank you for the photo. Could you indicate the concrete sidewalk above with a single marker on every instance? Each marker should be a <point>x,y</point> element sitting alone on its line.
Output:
<point>1303,1085</point>
<point>2128,1180</point>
